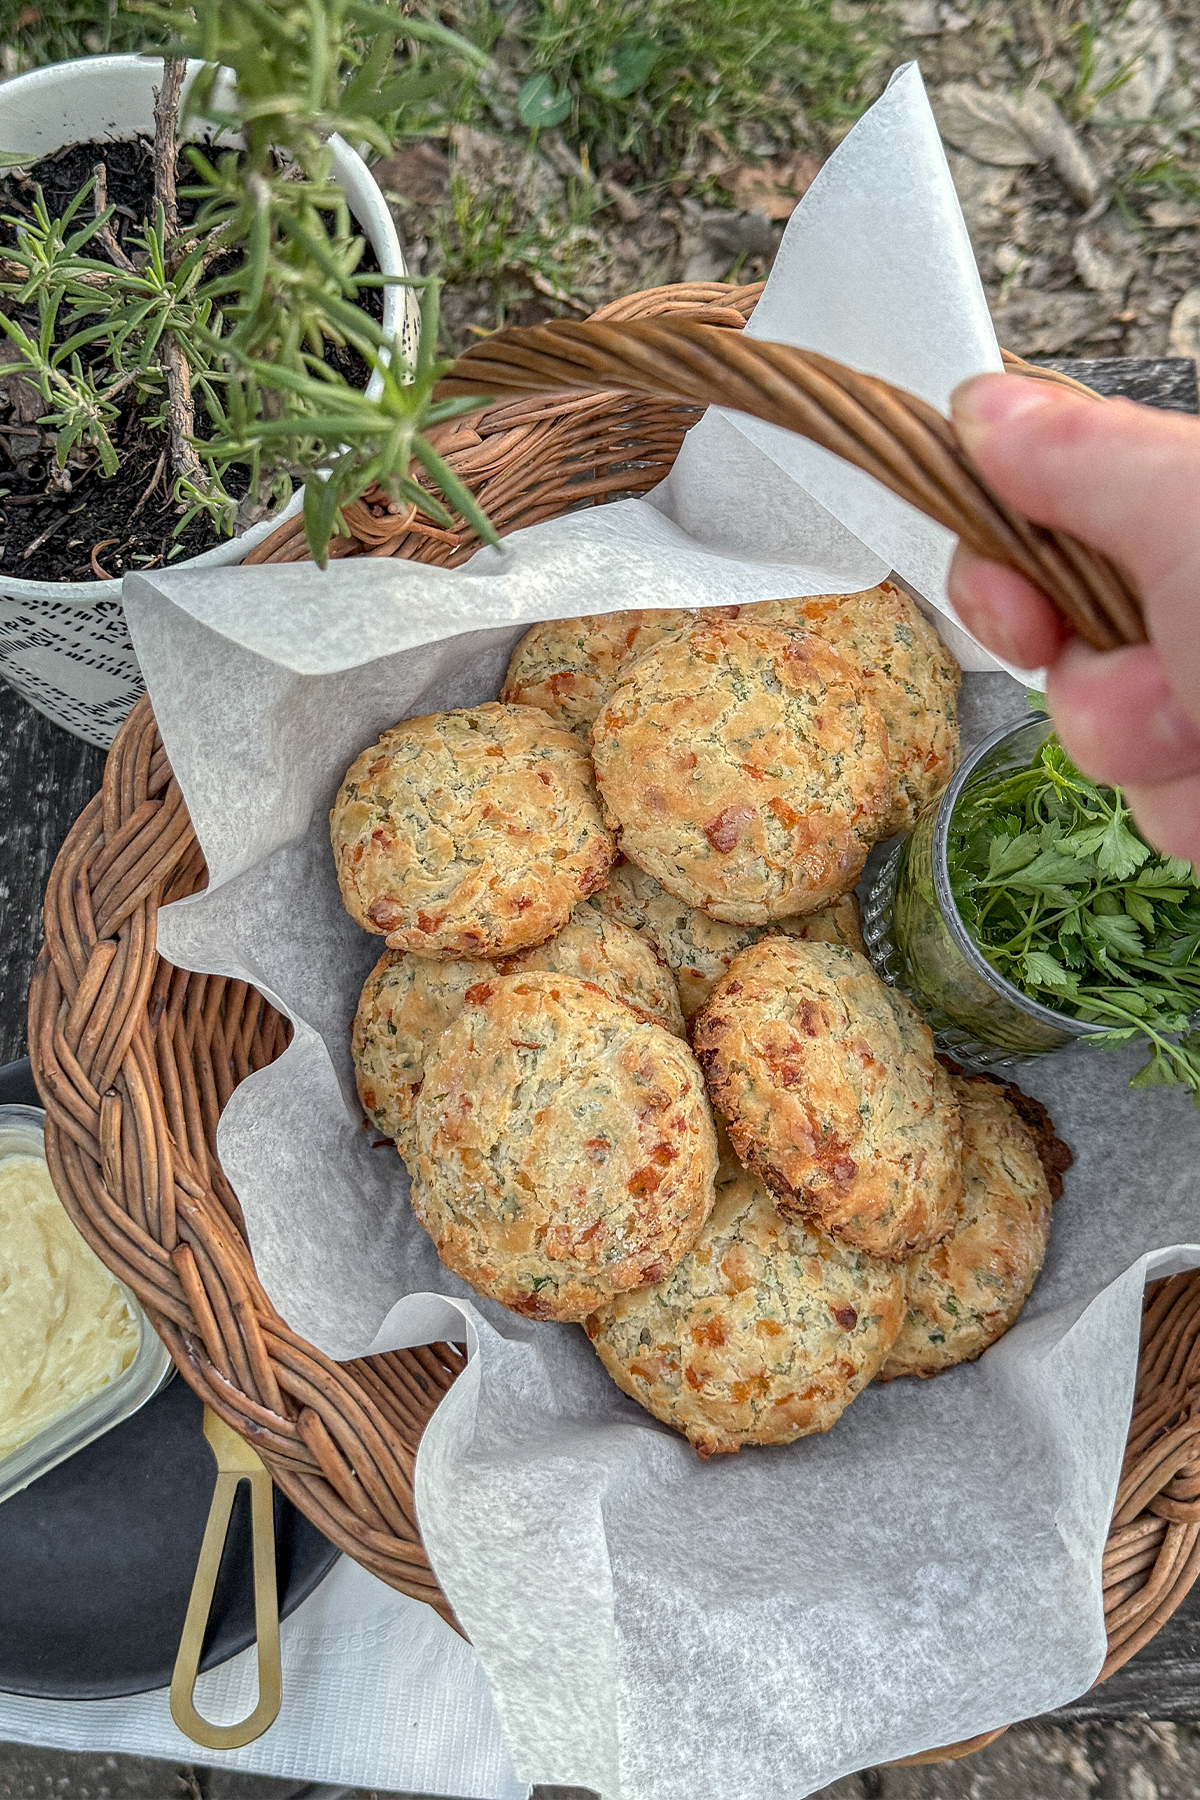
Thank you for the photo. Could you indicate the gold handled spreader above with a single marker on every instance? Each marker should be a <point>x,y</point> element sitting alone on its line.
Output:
<point>236,1462</point>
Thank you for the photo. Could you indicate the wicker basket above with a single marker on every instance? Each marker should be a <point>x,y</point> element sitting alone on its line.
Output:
<point>135,1059</point>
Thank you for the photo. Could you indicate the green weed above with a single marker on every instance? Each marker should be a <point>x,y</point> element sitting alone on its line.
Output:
<point>494,238</point>
<point>1167,178</point>
<point>646,79</point>
<point>1087,92</point>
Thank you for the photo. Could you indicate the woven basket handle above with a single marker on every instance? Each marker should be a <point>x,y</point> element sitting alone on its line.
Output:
<point>881,429</point>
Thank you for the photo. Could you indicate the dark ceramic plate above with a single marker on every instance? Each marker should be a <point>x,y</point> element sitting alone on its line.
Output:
<point>97,1557</point>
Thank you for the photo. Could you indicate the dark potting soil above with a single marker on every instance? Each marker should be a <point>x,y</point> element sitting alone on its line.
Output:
<point>77,525</point>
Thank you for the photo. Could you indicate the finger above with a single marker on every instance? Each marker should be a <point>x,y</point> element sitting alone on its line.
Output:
<point>1124,478</point>
<point>1117,716</point>
<point>1008,615</point>
<point>1168,815</point>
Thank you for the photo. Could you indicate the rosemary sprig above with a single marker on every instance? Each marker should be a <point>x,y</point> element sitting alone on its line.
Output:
<point>249,295</point>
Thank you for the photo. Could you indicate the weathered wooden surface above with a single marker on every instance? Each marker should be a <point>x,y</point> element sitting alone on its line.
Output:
<point>1160,1682</point>
<point>47,777</point>
<point>1166,381</point>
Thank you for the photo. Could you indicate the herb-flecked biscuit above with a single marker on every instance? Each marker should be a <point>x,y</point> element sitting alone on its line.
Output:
<point>743,767</point>
<point>764,1333</point>
<point>699,950</point>
<point>905,669</point>
<point>968,1290</point>
<point>408,1001</point>
<point>469,833</point>
<point>564,1150</point>
<point>831,1090</point>
<point>569,667</point>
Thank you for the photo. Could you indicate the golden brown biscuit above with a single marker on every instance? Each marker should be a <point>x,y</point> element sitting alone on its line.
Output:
<point>968,1290</point>
<point>742,766</point>
<point>564,1150</point>
<point>831,1090</point>
<point>469,833</point>
<point>408,1001</point>
<point>905,669</point>
<point>699,950</point>
<point>569,667</point>
<point>764,1333</point>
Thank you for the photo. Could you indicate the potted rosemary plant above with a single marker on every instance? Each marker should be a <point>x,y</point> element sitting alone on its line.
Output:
<point>240,340</point>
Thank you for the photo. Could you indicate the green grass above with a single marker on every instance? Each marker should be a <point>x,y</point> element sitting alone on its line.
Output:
<point>485,239</point>
<point>1167,178</point>
<point>46,31</point>
<point>646,79</point>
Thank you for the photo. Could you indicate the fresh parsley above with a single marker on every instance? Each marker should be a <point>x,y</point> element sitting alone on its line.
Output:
<point>1067,900</point>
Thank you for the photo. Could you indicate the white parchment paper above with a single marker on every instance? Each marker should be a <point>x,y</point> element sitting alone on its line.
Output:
<point>655,1627</point>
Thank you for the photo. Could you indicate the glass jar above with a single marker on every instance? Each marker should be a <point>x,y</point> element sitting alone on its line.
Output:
<point>918,943</point>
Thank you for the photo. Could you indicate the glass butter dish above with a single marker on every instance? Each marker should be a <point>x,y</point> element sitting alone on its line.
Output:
<point>146,1367</point>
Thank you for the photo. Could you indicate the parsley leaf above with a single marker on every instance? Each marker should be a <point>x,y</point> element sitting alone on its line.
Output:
<point>1006,855</point>
<point>1042,970</point>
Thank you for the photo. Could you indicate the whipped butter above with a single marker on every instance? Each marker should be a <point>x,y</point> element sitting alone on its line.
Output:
<point>66,1327</point>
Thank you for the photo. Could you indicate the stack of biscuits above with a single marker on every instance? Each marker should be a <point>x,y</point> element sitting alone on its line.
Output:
<point>624,1034</point>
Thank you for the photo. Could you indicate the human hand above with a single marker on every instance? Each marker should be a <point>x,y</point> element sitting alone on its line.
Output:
<point>1126,480</point>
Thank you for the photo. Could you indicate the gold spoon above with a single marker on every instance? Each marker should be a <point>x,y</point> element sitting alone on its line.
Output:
<point>236,1462</point>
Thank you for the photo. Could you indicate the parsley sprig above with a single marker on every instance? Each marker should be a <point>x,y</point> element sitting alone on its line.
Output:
<point>1067,900</point>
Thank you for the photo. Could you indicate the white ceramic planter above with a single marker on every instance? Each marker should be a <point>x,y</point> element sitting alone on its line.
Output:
<point>63,644</point>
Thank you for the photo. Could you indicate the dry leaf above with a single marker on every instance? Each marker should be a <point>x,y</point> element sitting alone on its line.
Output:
<point>998,127</point>
<point>772,188</point>
<point>1185,326</point>
<point>1172,215</point>
<point>1040,323</point>
<point>417,175</point>
<point>982,189</point>
<point>1105,262</point>
<point>983,123</point>
<point>18,396</point>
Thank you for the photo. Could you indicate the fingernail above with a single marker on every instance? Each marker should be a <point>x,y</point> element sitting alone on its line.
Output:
<point>987,400</point>
<point>1172,729</point>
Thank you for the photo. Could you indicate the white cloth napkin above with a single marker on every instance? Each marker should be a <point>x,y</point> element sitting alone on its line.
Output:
<point>377,1693</point>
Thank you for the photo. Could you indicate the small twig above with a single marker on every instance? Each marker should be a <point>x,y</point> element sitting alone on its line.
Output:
<point>166,128</point>
<point>544,285</point>
<point>15,271</point>
<point>159,466</point>
<point>49,532</point>
<point>97,571</point>
<point>106,234</point>
<point>215,244</point>
<point>121,383</point>
<point>181,411</point>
